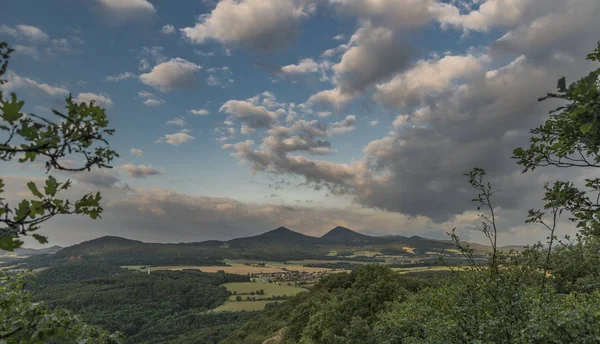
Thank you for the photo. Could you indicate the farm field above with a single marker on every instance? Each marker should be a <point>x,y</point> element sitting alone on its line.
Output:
<point>270,289</point>
<point>239,269</point>
<point>238,306</point>
<point>421,268</point>
<point>244,289</point>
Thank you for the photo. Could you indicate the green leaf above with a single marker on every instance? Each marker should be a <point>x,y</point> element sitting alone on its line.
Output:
<point>34,190</point>
<point>40,238</point>
<point>585,128</point>
<point>12,109</point>
<point>51,185</point>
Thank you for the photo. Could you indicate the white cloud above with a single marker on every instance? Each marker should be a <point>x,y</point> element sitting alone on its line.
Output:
<point>248,111</point>
<point>373,123</point>
<point>258,24</point>
<point>339,37</point>
<point>303,67</point>
<point>199,112</point>
<point>149,99</point>
<point>140,171</point>
<point>402,13</point>
<point>344,126</point>
<point>220,77</point>
<point>120,77</point>
<point>427,77</point>
<point>29,32</point>
<point>150,55</point>
<point>15,81</point>
<point>168,29</point>
<point>334,97</point>
<point>177,138</point>
<point>102,100</point>
<point>178,121</point>
<point>121,11</point>
<point>30,51</point>
<point>136,151</point>
<point>174,74</point>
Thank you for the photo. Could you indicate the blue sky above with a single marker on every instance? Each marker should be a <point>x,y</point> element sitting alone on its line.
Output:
<point>366,109</point>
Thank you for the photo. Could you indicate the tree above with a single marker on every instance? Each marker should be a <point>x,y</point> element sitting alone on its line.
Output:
<point>77,135</point>
<point>72,141</point>
<point>24,321</point>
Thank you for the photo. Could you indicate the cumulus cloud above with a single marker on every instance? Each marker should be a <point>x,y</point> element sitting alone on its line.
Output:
<point>23,31</point>
<point>303,67</point>
<point>120,77</point>
<point>15,81</point>
<point>168,29</point>
<point>199,112</point>
<point>140,171</point>
<point>176,73</point>
<point>121,11</point>
<point>149,99</point>
<point>405,13</point>
<point>136,151</point>
<point>257,24</point>
<point>101,100</point>
<point>426,77</point>
<point>344,126</point>
<point>372,54</point>
<point>176,139</point>
<point>250,112</point>
<point>178,121</point>
<point>449,129</point>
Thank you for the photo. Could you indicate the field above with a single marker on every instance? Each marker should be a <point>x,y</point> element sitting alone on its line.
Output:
<point>408,249</point>
<point>238,306</point>
<point>239,269</point>
<point>270,289</point>
<point>244,290</point>
<point>421,269</point>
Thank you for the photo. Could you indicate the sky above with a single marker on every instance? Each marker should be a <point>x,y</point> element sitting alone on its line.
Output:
<point>235,117</point>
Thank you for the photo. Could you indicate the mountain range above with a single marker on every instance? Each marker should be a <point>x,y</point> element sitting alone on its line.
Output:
<point>280,244</point>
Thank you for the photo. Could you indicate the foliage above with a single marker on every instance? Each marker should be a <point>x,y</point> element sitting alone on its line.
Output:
<point>75,141</point>
<point>74,272</point>
<point>336,310</point>
<point>136,303</point>
<point>25,321</point>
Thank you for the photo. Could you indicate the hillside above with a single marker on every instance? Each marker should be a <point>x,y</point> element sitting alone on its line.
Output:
<point>279,236</point>
<point>162,307</point>
<point>342,235</point>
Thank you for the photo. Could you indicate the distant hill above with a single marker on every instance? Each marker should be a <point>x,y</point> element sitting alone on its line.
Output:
<point>343,235</point>
<point>22,252</point>
<point>280,244</point>
<point>279,236</point>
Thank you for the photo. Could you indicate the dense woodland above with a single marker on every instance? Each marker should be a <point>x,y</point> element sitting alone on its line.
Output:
<point>163,307</point>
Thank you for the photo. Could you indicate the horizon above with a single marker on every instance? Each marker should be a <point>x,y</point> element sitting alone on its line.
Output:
<point>244,237</point>
<point>306,113</point>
